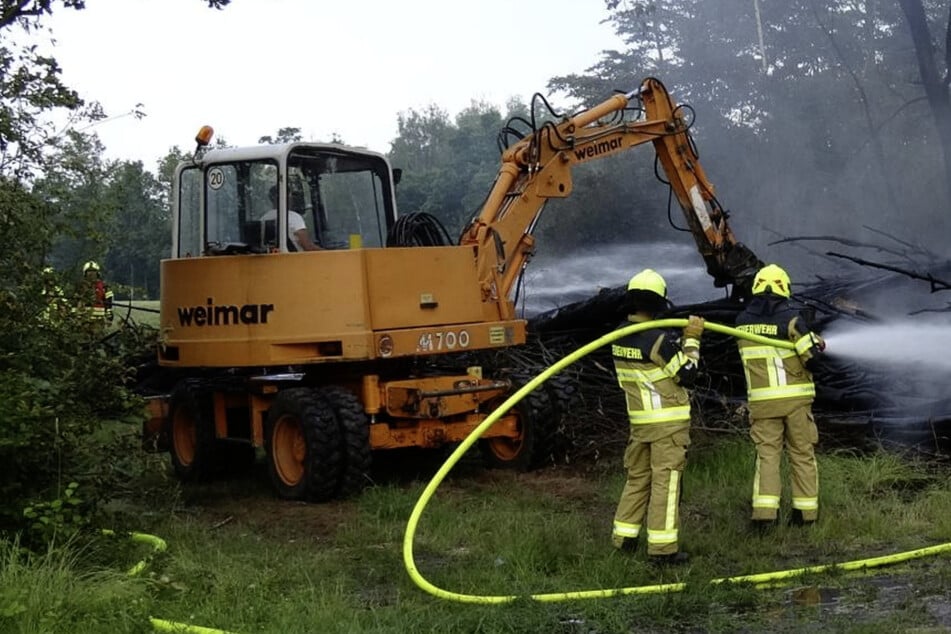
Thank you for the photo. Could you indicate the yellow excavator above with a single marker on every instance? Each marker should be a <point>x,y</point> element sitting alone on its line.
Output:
<point>300,314</point>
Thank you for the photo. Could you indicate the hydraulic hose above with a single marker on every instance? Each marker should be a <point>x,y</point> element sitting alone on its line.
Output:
<point>760,580</point>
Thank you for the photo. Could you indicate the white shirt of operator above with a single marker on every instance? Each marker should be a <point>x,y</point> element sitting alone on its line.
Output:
<point>295,222</point>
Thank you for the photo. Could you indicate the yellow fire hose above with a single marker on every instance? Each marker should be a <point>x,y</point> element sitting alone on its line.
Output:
<point>161,625</point>
<point>760,580</point>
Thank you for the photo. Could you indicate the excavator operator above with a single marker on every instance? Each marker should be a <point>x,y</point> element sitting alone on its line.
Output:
<point>298,237</point>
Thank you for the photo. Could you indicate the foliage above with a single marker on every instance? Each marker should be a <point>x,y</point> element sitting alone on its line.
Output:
<point>30,86</point>
<point>113,212</point>
<point>61,517</point>
<point>140,228</point>
<point>61,376</point>
<point>73,186</point>
<point>448,167</point>
<point>284,135</point>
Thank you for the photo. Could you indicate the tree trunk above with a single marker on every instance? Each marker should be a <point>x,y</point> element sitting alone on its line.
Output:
<point>936,88</point>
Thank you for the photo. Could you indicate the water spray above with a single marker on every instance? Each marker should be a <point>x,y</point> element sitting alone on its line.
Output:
<point>892,343</point>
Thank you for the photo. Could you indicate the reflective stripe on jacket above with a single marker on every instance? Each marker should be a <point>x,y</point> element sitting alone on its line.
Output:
<point>649,366</point>
<point>776,373</point>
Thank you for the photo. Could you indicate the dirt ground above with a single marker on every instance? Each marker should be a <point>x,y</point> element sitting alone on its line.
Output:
<point>249,501</point>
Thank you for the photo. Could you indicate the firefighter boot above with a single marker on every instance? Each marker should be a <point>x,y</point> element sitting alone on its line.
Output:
<point>628,545</point>
<point>673,559</point>
<point>796,519</point>
<point>762,527</point>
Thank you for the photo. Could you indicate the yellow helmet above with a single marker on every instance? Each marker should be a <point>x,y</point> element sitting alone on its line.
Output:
<point>648,280</point>
<point>771,278</point>
<point>90,266</point>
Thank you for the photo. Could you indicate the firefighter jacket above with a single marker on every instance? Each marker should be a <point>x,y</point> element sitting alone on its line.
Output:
<point>653,367</point>
<point>101,298</point>
<point>776,377</point>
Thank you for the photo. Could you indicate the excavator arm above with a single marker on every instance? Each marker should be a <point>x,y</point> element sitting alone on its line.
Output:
<point>539,166</point>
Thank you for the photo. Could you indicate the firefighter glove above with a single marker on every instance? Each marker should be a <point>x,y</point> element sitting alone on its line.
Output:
<point>694,327</point>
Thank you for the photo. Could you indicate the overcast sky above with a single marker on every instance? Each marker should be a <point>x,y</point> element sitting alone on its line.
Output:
<point>325,66</point>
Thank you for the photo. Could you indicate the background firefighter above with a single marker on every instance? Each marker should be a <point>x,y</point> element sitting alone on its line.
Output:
<point>653,367</point>
<point>780,392</point>
<point>95,297</point>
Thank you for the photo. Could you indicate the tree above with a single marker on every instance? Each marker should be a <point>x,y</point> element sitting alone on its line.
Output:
<point>139,234</point>
<point>30,86</point>
<point>74,184</point>
<point>448,166</point>
<point>804,116</point>
<point>62,377</point>
<point>935,86</point>
<point>284,135</point>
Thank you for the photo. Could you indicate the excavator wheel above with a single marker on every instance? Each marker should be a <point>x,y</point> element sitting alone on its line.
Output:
<point>302,440</point>
<point>354,436</point>
<point>565,394</point>
<point>191,432</point>
<point>535,444</point>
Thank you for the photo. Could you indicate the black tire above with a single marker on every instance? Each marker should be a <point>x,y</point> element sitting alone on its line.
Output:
<point>190,429</point>
<point>354,437</point>
<point>302,441</point>
<point>535,445</point>
<point>565,395</point>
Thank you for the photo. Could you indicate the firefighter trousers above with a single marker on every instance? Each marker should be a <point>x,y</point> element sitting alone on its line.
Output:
<point>798,429</point>
<point>655,458</point>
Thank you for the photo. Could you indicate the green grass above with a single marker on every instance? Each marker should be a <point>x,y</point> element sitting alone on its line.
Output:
<point>56,591</point>
<point>240,560</point>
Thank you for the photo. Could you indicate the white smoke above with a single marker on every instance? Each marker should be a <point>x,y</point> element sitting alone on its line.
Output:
<point>553,280</point>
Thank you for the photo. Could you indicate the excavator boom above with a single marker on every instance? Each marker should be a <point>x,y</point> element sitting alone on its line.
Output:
<point>539,167</point>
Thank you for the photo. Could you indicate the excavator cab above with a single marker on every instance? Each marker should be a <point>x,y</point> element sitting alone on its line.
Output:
<point>236,201</point>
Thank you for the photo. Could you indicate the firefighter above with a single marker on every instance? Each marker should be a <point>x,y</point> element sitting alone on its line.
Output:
<point>780,392</point>
<point>96,296</point>
<point>654,367</point>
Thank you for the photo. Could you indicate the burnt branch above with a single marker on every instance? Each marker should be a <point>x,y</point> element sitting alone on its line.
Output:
<point>843,241</point>
<point>935,283</point>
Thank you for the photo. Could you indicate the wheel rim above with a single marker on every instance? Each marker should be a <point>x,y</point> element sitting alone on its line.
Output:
<point>184,437</point>
<point>289,450</point>
<point>506,449</point>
